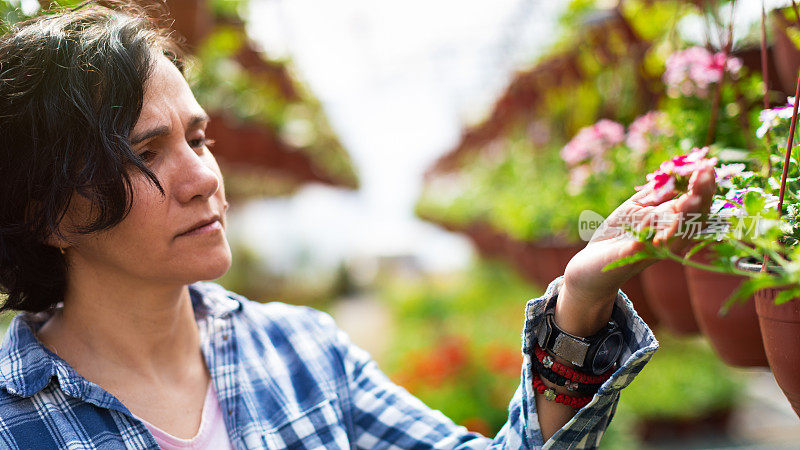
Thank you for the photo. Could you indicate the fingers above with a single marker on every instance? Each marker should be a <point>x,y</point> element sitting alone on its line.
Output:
<point>649,196</point>
<point>702,186</point>
<point>701,192</point>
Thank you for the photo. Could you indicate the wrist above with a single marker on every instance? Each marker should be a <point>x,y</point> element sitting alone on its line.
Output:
<point>583,314</point>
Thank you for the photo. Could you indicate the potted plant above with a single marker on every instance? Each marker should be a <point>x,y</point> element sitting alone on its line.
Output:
<point>754,216</point>
<point>697,104</point>
<point>735,335</point>
<point>777,285</point>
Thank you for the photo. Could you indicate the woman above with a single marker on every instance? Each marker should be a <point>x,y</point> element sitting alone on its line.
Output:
<point>112,209</point>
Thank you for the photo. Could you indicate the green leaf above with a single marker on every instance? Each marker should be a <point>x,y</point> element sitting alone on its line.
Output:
<point>787,295</point>
<point>754,203</point>
<point>642,255</point>
<point>693,251</point>
<point>748,288</point>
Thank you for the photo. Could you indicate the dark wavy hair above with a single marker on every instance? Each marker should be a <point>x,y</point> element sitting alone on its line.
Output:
<point>71,90</point>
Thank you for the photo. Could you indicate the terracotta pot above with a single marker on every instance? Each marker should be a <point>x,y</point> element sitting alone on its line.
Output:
<point>221,130</point>
<point>751,58</point>
<point>540,263</point>
<point>555,258</point>
<point>193,19</point>
<point>489,242</point>
<point>634,289</point>
<point>736,336</point>
<point>527,260</point>
<point>657,430</point>
<point>667,295</point>
<point>780,329</point>
<point>786,54</point>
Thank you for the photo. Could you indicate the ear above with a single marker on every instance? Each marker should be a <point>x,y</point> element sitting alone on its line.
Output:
<point>62,239</point>
<point>54,240</point>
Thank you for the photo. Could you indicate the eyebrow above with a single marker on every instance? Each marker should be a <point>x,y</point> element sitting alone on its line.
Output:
<point>162,130</point>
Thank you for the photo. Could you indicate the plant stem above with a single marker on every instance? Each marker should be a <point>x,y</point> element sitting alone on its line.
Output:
<point>701,266</point>
<point>789,144</point>
<point>788,157</point>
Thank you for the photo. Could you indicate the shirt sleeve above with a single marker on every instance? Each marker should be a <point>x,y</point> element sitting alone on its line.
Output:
<point>385,415</point>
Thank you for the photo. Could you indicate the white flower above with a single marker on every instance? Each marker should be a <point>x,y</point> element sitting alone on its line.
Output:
<point>771,118</point>
<point>728,171</point>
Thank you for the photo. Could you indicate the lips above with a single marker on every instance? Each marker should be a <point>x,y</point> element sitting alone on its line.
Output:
<point>199,224</point>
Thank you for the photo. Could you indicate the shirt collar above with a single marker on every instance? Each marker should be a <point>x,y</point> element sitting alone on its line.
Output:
<point>213,300</point>
<point>27,366</point>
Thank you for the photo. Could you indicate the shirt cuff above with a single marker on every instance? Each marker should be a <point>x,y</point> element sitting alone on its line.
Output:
<point>639,344</point>
<point>638,341</point>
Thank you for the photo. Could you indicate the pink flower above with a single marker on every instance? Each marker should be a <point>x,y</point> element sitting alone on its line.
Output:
<point>663,185</point>
<point>690,72</point>
<point>644,129</point>
<point>674,174</point>
<point>578,176</point>
<point>592,142</point>
<point>609,131</point>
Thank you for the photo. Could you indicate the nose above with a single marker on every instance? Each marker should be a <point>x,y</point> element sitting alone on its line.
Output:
<point>197,177</point>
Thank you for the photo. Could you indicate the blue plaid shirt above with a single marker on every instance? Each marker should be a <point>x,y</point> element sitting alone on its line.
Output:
<point>285,377</point>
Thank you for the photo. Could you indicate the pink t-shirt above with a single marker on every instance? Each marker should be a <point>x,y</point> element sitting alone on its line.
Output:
<point>212,433</point>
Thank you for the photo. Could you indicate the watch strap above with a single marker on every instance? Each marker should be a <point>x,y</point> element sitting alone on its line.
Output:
<point>569,347</point>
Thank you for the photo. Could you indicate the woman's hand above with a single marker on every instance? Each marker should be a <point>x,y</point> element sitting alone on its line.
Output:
<point>586,298</point>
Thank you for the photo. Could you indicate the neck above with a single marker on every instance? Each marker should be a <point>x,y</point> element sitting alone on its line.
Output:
<point>111,324</point>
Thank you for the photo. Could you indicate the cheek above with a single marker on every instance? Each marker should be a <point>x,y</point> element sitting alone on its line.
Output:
<point>146,219</point>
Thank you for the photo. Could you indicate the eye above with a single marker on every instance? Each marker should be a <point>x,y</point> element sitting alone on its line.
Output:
<point>147,156</point>
<point>200,142</point>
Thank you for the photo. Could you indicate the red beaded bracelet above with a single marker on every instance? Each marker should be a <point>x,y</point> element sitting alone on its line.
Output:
<point>548,361</point>
<point>550,394</point>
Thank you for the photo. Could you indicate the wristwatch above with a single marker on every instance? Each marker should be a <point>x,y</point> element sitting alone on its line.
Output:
<point>596,354</point>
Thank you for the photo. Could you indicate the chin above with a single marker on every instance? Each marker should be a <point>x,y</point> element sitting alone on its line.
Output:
<point>210,265</point>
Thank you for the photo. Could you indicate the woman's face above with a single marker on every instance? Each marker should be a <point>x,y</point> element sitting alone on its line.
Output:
<point>159,240</point>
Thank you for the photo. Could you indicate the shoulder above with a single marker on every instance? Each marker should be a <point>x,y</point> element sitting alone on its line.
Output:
<point>19,418</point>
<point>52,419</point>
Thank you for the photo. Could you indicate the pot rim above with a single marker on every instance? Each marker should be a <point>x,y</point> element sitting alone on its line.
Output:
<point>746,263</point>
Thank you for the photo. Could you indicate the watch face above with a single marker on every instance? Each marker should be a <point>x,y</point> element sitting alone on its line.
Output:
<point>607,353</point>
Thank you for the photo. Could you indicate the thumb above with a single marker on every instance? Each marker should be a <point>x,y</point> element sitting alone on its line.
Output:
<point>702,186</point>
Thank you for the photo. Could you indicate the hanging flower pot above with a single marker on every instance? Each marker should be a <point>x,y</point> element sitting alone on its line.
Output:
<point>780,330</point>
<point>780,324</point>
<point>487,240</point>
<point>527,260</point>
<point>667,295</point>
<point>787,55</point>
<point>634,289</point>
<point>735,336</point>
<point>556,257</point>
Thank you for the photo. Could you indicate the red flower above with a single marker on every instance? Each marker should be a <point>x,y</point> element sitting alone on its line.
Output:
<point>675,172</point>
<point>504,360</point>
